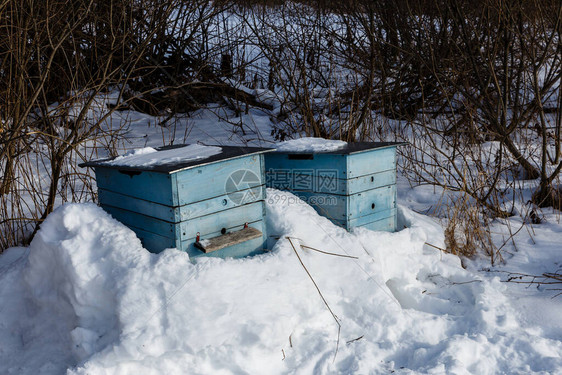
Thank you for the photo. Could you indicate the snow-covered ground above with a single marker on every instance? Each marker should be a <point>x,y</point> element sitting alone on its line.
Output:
<point>86,298</point>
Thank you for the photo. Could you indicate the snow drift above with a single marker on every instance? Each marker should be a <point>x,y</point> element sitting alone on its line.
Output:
<point>87,298</point>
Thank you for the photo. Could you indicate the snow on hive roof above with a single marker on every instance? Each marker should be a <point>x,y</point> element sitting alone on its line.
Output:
<point>144,157</point>
<point>171,159</point>
<point>327,146</point>
<point>310,144</point>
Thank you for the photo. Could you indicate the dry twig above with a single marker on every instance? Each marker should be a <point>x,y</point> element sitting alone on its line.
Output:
<point>336,319</point>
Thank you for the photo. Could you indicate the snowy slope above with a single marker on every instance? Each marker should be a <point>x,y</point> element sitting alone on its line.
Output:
<point>85,296</point>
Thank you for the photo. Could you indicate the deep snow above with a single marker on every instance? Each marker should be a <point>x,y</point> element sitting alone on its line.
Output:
<point>86,296</point>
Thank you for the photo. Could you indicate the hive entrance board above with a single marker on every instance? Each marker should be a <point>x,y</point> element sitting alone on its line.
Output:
<point>353,186</point>
<point>168,204</point>
<point>228,239</point>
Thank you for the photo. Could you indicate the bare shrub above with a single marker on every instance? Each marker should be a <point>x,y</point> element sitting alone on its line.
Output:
<point>57,62</point>
<point>466,232</point>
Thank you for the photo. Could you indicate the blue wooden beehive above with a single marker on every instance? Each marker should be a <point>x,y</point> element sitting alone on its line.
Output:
<point>207,207</point>
<point>354,186</point>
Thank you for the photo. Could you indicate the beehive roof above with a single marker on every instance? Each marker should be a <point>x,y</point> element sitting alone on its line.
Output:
<point>226,153</point>
<point>349,148</point>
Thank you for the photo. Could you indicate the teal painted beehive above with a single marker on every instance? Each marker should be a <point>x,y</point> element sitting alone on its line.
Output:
<point>354,186</point>
<point>207,205</point>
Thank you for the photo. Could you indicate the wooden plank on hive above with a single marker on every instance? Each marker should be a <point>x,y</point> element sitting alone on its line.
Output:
<point>251,247</point>
<point>228,239</point>
<point>243,249</point>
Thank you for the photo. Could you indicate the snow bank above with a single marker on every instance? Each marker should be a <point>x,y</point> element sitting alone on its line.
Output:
<point>310,144</point>
<point>86,297</point>
<point>149,156</point>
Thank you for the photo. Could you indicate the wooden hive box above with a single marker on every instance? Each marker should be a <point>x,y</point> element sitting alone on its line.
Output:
<point>354,186</point>
<point>211,206</point>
